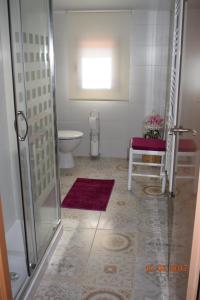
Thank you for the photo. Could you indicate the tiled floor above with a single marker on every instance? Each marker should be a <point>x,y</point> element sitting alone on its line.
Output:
<point>104,255</point>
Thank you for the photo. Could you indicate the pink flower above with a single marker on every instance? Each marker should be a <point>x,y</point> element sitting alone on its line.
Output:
<point>155,120</point>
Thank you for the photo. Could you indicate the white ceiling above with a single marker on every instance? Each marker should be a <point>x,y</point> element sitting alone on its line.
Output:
<point>110,4</point>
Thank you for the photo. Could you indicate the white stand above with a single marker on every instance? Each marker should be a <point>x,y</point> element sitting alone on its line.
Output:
<point>132,162</point>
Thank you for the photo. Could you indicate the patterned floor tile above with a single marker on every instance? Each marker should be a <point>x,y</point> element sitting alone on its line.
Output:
<point>105,293</point>
<point>152,274</point>
<point>178,286</point>
<point>75,241</point>
<point>122,202</point>
<point>75,218</point>
<point>118,220</point>
<point>151,294</point>
<point>55,290</point>
<point>152,220</point>
<point>67,268</point>
<point>109,271</point>
<point>155,246</point>
<point>142,188</point>
<point>115,243</point>
<point>153,190</point>
<point>104,255</point>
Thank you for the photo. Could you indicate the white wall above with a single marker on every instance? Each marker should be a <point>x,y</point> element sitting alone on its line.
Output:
<point>119,120</point>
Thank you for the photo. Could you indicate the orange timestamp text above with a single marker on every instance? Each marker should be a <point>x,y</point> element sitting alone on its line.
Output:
<point>161,268</point>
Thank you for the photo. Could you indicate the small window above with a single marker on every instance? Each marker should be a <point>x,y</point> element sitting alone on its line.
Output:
<point>96,65</point>
<point>96,72</point>
<point>98,55</point>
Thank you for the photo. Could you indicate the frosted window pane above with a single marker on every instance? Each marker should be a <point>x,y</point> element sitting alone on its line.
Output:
<point>96,72</point>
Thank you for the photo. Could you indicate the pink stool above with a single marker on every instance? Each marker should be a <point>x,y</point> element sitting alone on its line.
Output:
<point>142,146</point>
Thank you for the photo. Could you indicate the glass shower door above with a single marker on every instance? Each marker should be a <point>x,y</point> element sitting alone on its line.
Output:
<point>184,205</point>
<point>32,53</point>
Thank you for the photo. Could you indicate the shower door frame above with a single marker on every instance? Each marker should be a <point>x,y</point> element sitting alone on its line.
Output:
<point>53,81</point>
<point>31,268</point>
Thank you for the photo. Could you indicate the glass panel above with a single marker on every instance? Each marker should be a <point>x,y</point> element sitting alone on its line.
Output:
<point>20,98</point>
<point>40,117</point>
<point>182,208</point>
<point>9,166</point>
<point>30,21</point>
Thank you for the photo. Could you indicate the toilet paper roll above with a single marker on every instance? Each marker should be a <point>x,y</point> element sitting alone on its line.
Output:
<point>93,121</point>
<point>94,148</point>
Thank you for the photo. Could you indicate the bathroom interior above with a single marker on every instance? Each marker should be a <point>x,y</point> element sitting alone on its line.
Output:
<point>78,79</point>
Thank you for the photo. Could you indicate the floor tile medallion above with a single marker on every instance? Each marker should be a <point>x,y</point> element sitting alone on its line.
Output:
<point>153,190</point>
<point>92,293</point>
<point>108,242</point>
<point>109,271</point>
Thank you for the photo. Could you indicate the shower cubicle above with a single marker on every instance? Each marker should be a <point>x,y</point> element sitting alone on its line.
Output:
<point>29,174</point>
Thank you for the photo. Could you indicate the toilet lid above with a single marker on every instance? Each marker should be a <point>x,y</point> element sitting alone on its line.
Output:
<point>69,134</point>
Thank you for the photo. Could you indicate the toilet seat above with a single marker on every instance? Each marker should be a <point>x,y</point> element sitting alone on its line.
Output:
<point>69,134</point>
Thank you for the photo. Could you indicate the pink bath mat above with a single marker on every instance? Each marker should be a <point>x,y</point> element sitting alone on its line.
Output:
<point>91,194</point>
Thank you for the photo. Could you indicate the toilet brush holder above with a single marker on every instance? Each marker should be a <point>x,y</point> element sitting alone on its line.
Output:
<point>94,121</point>
<point>94,145</point>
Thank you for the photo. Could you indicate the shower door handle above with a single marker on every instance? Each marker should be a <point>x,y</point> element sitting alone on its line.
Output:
<point>180,130</point>
<point>22,138</point>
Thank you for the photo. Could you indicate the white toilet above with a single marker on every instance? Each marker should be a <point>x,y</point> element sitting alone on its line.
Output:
<point>69,140</point>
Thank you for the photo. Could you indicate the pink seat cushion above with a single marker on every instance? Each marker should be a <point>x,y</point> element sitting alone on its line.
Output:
<point>148,144</point>
<point>187,145</point>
